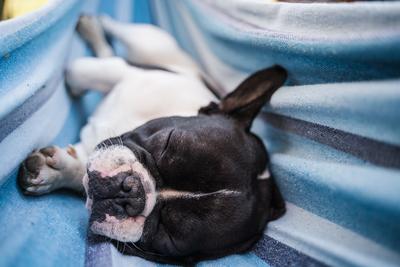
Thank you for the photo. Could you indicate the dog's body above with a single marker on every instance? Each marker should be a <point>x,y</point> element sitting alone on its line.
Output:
<point>175,189</point>
<point>127,106</point>
<point>136,95</point>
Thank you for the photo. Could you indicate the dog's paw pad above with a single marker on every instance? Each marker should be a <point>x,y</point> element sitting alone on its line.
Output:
<point>37,190</point>
<point>33,163</point>
<point>48,151</point>
<point>40,172</point>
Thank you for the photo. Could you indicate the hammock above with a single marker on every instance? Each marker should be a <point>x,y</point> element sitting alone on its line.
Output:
<point>333,132</point>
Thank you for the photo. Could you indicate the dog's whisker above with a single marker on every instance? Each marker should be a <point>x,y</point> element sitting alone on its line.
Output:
<point>136,246</point>
<point>127,244</point>
<point>147,252</point>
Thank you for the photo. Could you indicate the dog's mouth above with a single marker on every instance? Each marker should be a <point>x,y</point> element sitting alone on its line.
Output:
<point>120,193</point>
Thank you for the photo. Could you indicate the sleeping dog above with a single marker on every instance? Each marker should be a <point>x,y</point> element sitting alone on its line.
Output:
<point>167,170</point>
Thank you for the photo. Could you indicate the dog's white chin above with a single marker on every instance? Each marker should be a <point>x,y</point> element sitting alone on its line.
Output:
<point>124,230</point>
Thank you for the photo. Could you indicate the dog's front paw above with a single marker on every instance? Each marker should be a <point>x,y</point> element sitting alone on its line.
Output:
<point>42,171</point>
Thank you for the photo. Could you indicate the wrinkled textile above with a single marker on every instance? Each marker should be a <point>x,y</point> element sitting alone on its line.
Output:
<point>333,132</point>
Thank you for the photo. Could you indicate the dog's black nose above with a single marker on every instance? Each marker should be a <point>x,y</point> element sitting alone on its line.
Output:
<point>130,183</point>
<point>135,199</point>
<point>124,189</point>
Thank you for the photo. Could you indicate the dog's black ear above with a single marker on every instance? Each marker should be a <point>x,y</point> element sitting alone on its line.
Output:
<point>244,103</point>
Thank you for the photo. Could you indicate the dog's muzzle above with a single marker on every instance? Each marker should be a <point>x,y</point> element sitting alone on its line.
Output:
<point>121,193</point>
<point>125,189</point>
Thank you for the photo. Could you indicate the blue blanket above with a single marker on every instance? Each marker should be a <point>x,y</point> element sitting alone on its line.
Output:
<point>333,131</point>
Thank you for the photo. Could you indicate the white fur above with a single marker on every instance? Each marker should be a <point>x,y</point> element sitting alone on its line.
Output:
<point>174,194</point>
<point>148,44</point>
<point>265,175</point>
<point>138,97</point>
<point>111,160</point>
<point>89,201</point>
<point>125,230</point>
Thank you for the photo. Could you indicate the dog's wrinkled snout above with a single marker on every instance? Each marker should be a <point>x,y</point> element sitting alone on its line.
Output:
<point>133,206</point>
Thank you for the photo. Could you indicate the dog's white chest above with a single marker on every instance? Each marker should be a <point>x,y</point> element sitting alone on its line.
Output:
<point>144,96</point>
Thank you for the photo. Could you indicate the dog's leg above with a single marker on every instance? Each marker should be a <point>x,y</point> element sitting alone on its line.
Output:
<point>51,168</point>
<point>149,45</point>
<point>95,73</point>
<point>91,31</point>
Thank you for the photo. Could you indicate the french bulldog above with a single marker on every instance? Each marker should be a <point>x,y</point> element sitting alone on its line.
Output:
<point>168,170</point>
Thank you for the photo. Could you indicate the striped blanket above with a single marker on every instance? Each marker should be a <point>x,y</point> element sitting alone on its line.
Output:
<point>333,131</point>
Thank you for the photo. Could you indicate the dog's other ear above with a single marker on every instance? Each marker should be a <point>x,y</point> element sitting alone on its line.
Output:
<point>244,103</point>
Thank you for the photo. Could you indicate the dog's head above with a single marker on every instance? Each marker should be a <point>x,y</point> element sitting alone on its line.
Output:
<point>213,151</point>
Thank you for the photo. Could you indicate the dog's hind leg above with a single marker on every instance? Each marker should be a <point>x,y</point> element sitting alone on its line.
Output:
<point>91,31</point>
<point>52,168</point>
<point>100,74</point>
<point>149,45</point>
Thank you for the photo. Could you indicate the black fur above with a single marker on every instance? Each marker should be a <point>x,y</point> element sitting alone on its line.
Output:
<point>209,152</point>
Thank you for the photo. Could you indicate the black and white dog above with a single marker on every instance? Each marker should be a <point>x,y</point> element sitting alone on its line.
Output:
<point>190,182</point>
